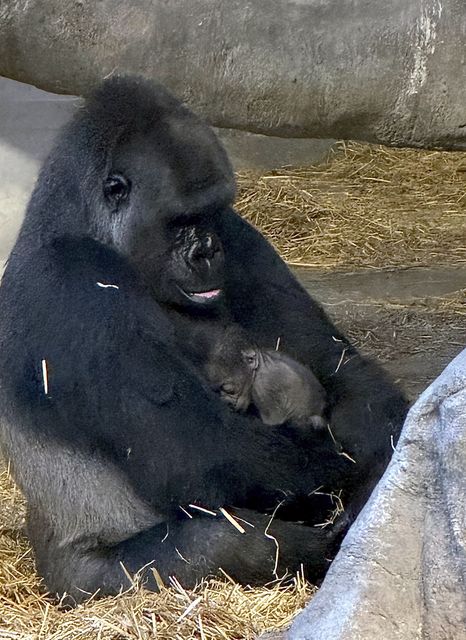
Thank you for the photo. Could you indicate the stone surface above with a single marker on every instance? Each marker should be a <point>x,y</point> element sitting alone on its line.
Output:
<point>255,151</point>
<point>366,69</point>
<point>393,315</point>
<point>401,570</point>
<point>29,122</point>
<point>370,285</point>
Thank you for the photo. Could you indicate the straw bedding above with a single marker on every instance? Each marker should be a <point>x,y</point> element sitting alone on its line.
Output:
<point>368,207</point>
<point>216,609</point>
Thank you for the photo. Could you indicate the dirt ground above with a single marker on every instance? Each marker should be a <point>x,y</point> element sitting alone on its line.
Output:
<point>412,321</point>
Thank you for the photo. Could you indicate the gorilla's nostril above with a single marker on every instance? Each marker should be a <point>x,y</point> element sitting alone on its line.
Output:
<point>196,251</point>
<point>210,247</point>
<point>205,249</point>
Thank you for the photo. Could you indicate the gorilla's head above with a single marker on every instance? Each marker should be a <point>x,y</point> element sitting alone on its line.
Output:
<point>230,368</point>
<point>149,178</point>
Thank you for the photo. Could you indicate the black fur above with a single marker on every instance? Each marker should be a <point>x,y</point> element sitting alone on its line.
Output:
<point>125,430</point>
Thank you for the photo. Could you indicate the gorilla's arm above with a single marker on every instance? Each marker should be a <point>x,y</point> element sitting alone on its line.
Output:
<point>367,410</point>
<point>189,550</point>
<point>258,281</point>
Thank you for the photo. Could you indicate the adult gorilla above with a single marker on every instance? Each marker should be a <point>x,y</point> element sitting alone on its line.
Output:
<point>108,428</point>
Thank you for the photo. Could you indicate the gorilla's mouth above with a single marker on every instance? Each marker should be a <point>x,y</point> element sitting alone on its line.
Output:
<point>202,297</point>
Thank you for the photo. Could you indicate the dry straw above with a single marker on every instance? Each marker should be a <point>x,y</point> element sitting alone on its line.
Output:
<point>369,207</point>
<point>215,609</point>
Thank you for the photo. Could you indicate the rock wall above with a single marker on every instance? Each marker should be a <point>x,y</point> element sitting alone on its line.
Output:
<point>378,70</point>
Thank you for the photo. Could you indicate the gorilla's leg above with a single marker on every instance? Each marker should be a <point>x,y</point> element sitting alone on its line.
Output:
<point>86,523</point>
<point>188,550</point>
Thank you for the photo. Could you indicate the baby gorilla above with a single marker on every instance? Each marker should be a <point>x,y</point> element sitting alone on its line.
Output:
<point>280,388</point>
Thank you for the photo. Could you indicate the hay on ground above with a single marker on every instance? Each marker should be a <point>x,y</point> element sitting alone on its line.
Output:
<point>215,609</point>
<point>369,206</point>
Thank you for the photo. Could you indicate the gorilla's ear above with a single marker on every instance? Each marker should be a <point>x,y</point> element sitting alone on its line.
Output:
<point>250,357</point>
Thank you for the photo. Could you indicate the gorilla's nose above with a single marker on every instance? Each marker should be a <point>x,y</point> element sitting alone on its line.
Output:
<point>206,248</point>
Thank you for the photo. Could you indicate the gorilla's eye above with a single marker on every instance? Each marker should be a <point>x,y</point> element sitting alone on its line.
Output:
<point>250,357</point>
<point>116,188</point>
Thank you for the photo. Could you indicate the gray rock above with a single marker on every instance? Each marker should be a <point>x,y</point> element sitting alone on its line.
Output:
<point>400,574</point>
<point>388,72</point>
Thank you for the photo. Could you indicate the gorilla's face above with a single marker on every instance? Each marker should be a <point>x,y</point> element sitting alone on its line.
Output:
<point>163,193</point>
<point>195,266</point>
<point>231,367</point>
<point>233,379</point>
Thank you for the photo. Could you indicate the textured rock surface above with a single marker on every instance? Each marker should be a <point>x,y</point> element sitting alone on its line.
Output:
<point>400,574</point>
<point>366,69</point>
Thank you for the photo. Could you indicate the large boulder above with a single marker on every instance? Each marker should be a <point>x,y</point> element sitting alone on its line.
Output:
<point>384,71</point>
<point>401,571</point>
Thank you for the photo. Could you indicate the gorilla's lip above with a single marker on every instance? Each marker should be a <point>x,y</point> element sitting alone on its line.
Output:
<point>206,295</point>
<point>202,297</point>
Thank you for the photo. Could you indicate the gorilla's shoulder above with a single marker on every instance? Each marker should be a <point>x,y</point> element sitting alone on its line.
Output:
<point>71,278</point>
<point>79,306</point>
<point>74,257</point>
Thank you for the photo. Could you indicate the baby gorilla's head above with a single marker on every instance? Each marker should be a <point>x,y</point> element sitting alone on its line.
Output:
<point>231,366</point>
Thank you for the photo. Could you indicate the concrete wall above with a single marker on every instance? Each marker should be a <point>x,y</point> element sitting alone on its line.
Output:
<point>388,71</point>
<point>29,121</point>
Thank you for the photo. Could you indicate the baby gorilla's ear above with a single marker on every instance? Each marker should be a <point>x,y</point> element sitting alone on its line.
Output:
<point>251,358</point>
